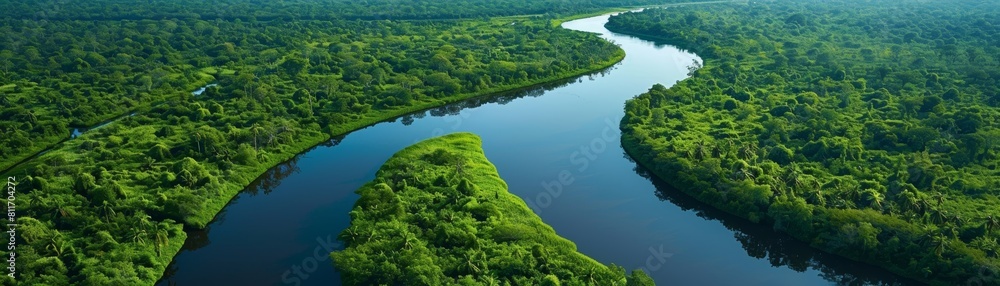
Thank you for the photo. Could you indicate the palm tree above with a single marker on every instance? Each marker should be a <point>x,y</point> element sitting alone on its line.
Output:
<point>472,258</point>
<point>449,216</point>
<point>939,242</point>
<point>989,245</point>
<point>700,151</point>
<point>460,168</point>
<point>161,237</point>
<point>256,129</point>
<point>590,277</point>
<point>31,116</point>
<point>745,173</point>
<point>922,207</point>
<point>991,224</point>
<point>142,221</point>
<point>197,139</point>
<point>959,221</point>
<point>408,240</point>
<point>491,281</point>
<point>223,154</point>
<point>908,201</point>
<point>56,244</point>
<point>940,198</point>
<point>793,178</point>
<point>147,163</point>
<point>138,235</point>
<point>309,98</point>
<point>349,235</point>
<point>852,194</point>
<point>816,197</point>
<point>777,186</point>
<point>748,152</point>
<point>874,198</point>
<point>107,210</point>
<point>61,212</point>
<point>938,216</point>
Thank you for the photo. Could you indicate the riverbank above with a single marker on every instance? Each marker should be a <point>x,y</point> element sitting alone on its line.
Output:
<point>312,140</point>
<point>634,150</point>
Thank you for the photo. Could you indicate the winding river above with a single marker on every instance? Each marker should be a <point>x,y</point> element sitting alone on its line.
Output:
<point>557,146</point>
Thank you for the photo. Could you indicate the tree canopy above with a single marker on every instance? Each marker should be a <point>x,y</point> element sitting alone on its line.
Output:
<point>865,128</point>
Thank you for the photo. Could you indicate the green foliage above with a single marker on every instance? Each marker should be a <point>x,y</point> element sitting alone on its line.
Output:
<point>406,230</point>
<point>96,65</point>
<point>869,133</point>
<point>118,196</point>
<point>301,10</point>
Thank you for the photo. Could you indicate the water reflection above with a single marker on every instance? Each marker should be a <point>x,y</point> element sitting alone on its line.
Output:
<point>501,98</point>
<point>762,242</point>
<point>271,179</point>
<point>506,97</point>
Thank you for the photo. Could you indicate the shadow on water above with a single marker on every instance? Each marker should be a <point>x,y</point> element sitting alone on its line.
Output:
<point>781,250</point>
<point>265,184</point>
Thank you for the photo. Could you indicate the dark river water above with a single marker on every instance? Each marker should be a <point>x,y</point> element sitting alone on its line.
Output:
<point>279,230</point>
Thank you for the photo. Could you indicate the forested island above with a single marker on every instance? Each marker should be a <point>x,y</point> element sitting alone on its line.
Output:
<point>438,213</point>
<point>865,128</point>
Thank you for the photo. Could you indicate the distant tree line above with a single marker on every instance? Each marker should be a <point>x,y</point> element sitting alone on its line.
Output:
<point>303,9</point>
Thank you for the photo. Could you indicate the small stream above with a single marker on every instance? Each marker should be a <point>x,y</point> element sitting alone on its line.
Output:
<point>76,132</point>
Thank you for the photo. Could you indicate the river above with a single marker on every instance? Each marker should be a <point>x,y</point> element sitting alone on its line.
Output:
<point>279,230</point>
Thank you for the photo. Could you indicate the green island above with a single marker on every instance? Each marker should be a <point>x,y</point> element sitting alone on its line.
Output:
<point>868,129</point>
<point>438,213</point>
<point>110,206</point>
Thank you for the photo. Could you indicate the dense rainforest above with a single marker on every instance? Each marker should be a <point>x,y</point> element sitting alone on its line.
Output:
<point>109,207</point>
<point>78,64</point>
<point>437,213</point>
<point>302,9</point>
<point>867,129</point>
<point>62,74</point>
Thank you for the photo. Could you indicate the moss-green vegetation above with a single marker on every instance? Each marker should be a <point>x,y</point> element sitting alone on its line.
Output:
<point>107,208</point>
<point>303,9</point>
<point>438,213</point>
<point>87,63</point>
<point>865,128</point>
